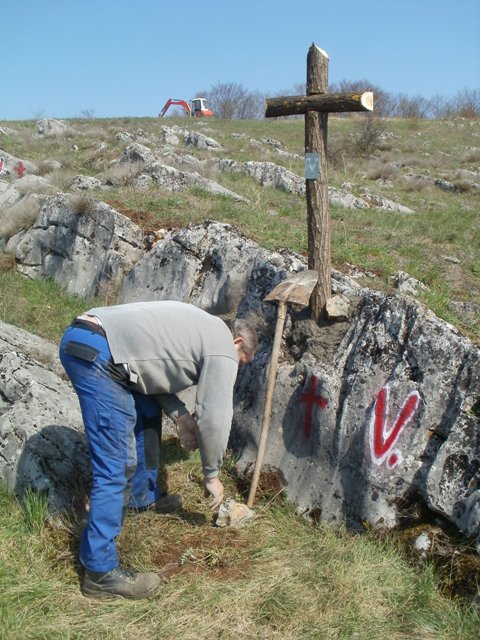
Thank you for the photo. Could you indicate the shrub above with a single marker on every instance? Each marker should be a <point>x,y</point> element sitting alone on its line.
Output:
<point>82,204</point>
<point>370,134</point>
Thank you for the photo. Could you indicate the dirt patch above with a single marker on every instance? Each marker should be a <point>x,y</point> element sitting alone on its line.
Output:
<point>271,482</point>
<point>144,219</point>
<point>321,339</point>
<point>222,554</point>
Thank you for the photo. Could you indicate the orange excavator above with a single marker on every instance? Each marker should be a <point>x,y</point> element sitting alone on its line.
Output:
<point>197,108</point>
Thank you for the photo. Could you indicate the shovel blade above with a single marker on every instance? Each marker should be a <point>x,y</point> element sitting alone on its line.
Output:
<point>296,288</point>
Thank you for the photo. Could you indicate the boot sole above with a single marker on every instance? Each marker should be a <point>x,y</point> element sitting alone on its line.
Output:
<point>107,595</point>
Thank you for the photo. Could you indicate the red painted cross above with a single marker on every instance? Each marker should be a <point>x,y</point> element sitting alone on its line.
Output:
<point>310,398</point>
<point>20,169</point>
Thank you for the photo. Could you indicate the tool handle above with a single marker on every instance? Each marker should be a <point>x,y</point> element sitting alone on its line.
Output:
<point>267,411</point>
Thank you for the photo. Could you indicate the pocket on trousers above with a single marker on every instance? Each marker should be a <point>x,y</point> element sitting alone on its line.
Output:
<point>82,351</point>
<point>109,439</point>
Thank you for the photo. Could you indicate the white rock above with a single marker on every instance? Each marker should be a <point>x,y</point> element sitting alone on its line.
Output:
<point>233,514</point>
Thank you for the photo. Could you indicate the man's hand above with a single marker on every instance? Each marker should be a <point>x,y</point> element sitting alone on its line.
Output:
<point>214,488</point>
<point>187,430</point>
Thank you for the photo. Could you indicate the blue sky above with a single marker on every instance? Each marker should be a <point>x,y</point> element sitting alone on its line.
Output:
<point>120,58</point>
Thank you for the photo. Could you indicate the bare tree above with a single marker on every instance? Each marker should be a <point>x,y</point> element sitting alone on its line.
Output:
<point>440,107</point>
<point>382,100</point>
<point>411,107</point>
<point>87,113</point>
<point>232,101</point>
<point>467,103</point>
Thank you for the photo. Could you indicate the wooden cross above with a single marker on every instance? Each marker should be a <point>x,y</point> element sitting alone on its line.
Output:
<point>316,106</point>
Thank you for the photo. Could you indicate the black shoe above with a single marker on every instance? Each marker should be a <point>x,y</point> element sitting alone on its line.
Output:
<point>121,583</point>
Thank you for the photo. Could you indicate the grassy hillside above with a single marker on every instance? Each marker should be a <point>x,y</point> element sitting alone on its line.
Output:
<point>439,244</point>
<point>279,577</point>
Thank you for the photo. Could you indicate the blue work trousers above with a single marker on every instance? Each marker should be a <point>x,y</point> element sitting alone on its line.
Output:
<point>119,425</point>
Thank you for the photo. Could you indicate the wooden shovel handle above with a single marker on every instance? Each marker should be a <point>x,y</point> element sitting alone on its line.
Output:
<point>267,411</point>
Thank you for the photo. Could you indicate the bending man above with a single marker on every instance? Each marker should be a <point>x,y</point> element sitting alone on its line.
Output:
<point>112,354</point>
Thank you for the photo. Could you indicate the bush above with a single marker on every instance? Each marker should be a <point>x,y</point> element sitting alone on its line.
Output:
<point>370,134</point>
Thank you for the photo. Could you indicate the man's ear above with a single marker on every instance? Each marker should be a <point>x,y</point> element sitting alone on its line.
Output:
<point>238,341</point>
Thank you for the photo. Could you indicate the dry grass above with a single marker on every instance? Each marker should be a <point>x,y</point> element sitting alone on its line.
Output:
<point>21,215</point>
<point>278,577</point>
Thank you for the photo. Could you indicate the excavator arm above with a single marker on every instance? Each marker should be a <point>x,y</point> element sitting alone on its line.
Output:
<point>174,102</point>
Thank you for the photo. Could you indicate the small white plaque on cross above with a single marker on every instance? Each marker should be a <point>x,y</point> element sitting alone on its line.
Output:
<point>312,166</point>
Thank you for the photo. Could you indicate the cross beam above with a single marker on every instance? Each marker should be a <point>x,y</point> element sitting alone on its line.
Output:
<point>323,103</point>
<point>316,106</point>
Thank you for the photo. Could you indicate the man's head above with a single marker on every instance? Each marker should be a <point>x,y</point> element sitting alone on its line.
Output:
<point>244,338</point>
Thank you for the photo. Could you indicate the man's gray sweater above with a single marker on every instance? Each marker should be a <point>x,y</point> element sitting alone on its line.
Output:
<point>169,346</point>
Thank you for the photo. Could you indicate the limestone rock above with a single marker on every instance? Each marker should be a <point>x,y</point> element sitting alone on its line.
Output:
<point>391,417</point>
<point>170,137</point>
<point>185,162</point>
<point>210,265</point>
<point>269,174</point>
<point>337,308</point>
<point>370,415</point>
<point>408,285</point>
<point>346,199</point>
<point>50,127</point>
<point>201,141</point>
<point>42,442</point>
<point>124,136</point>
<point>51,165</point>
<point>85,183</point>
<point>83,250</point>
<point>20,202</point>
<point>379,202</point>
<point>11,162</point>
<point>7,131</point>
<point>13,192</point>
<point>445,185</point>
<point>233,514</point>
<point>176,180</point>
<point>137,154</point>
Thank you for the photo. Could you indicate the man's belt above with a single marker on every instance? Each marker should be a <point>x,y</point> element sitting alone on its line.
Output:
<point>90,325</point>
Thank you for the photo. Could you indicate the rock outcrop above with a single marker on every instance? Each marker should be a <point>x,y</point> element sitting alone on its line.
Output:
<point>209,265</point>
<point>366,424</point>
<point>9,165</point>
<point>374,414</point>
<point>176,180</point>
<point>42,441</point>
<point>83,244</point>
<point>50,127</point>
<point>371,415</point>
<point>269,174</point>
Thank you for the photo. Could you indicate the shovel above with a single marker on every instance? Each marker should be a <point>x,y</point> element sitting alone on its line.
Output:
<point>297,289</point>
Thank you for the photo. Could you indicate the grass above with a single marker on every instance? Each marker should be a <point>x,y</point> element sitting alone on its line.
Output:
<point>445,224</point>
<point>278,577</point>
<point>39,306</point>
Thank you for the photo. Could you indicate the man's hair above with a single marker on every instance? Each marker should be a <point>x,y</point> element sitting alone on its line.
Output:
<point>243,329</point>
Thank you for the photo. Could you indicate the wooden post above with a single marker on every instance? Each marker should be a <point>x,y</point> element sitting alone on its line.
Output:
<point>316,106</point>
<point>316,125</point>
